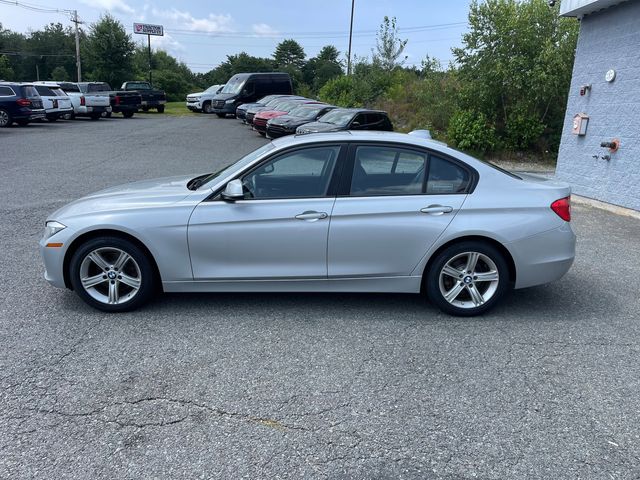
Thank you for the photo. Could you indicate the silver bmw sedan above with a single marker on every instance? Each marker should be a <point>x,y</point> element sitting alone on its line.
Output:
<point>332,212</point>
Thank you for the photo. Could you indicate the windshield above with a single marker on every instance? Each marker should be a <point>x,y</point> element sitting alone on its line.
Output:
<point>98,87</point>
<point>305,112</point>
<point>138,86</point>
<point>337,117</point>
<point>235,84</point>
<point>239,164</point>
<point>212,89</point>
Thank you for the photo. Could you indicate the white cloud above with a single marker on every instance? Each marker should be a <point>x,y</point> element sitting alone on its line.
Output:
<point>210,24</point>
<point>263,30</point>
<point>118,6</point>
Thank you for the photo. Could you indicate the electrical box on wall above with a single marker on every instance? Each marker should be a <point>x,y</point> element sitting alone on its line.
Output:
<point>580,122</point>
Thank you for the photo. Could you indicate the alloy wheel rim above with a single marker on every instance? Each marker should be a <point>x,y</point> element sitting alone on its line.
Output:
<point>469,280</point>
<point>110,275</point>
<point>4,118</point>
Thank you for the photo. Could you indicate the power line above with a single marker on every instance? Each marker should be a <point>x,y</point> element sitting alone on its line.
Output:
<point>33,54</point>
<point>36,8</point>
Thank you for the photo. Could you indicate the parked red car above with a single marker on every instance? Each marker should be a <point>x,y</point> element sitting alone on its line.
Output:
<point>263,116</point>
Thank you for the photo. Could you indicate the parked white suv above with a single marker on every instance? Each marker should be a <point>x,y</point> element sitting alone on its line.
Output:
<point>92,105</point>
<point>56,103</point>
<point>201,101</point>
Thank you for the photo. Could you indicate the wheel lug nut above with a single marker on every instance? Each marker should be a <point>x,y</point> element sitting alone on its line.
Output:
<point>104,276</point>
<point>113,281</point>
<point>120,277</point>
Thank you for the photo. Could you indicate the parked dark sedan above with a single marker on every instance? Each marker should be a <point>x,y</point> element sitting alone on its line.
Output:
<point>19,103</point>
<point>349,119</point>
<point>287,124</point>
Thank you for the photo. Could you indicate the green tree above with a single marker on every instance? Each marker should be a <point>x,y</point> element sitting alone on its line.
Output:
<point>515,65</point>
<point>6,72</point>
<point>242,62</point>
<point>108,52</point>
<point>289,53</point>
<point>322,68</point>
<point>389,46</point>
<point>51,47</point>
<point>60,73</point>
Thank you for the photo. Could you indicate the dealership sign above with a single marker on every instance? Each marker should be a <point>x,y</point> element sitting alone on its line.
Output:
<point>148,29</point>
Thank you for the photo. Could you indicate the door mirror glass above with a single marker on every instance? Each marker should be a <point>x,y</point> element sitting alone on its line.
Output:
<point>233,190</point>
<point>355,124</point>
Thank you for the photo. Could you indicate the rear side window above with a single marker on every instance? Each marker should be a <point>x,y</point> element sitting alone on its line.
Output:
<point>29,91</point>
<point>6,92</point>
<point>387,171</point>
<point>446,177</point>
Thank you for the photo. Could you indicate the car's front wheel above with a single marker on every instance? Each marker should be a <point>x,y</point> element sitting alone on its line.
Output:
<point>207,108</point>
<point>112,274</point>
<point>467,278</point>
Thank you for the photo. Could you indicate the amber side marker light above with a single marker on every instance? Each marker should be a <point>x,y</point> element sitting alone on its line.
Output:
<point>54,245</point>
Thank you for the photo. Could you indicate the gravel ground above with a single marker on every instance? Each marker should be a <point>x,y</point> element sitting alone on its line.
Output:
<point>304,385</point>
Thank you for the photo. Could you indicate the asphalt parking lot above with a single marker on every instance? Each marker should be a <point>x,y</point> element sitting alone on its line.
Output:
<point>299,385</point>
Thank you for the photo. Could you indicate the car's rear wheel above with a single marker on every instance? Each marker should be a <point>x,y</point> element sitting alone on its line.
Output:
<point>5,118</point>
<point>23,122</point>
<point>207,108</point>
<point>467,278</point>
<point>161,109</point>
<point>221,115</point>
<point>112,274</point>
<point>96,116</point>
<point>127,114</point>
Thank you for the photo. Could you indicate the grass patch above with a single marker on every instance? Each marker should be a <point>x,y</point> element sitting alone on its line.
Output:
<point>178,109</point>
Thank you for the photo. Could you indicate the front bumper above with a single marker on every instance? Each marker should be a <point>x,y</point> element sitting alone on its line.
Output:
<point>194,106</point>
<point>227,108</point>
<point>544,257</point>
<point>53,258</point>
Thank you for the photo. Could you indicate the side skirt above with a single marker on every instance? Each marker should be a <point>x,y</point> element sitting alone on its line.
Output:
<point>372,284</point>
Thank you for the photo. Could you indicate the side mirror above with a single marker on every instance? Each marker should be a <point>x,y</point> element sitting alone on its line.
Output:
<point>355,124</point>
<point>233,190</point>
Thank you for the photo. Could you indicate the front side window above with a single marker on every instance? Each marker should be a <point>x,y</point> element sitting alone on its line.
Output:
<point>446,177</point>
<point>387,171</point>
<point>299,174</point>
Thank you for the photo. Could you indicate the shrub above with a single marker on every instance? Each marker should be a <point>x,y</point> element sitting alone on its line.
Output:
<point>472,131</point>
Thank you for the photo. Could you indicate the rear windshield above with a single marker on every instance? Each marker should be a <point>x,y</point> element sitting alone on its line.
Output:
<point>98,87</point>
<point>44,90</point>
<point>59,92</point>
<point>69,87</point>
<point>138,86</point>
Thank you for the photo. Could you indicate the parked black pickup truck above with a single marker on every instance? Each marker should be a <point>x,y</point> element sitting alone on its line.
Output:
<point>151,98</point>
<point>123,102</point>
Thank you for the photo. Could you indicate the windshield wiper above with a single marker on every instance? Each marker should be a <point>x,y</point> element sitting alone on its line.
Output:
<point>195,183</point>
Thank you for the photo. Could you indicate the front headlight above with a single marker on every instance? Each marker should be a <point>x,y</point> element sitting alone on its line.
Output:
<point>229,101</point>
<point>51,228</point>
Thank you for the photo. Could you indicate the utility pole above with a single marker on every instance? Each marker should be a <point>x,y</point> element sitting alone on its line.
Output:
<point>149,46</point>
<point>350,35</point>
<point>76,21</point>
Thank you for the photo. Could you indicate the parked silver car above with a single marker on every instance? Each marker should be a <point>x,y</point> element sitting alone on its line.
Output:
<point>346,211</point>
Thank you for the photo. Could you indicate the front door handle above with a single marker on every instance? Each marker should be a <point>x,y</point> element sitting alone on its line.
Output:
<point>311,215</point>
<point>436,209</point>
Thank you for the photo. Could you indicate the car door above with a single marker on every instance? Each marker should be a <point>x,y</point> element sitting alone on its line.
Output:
<point>394,202</point>
<point>280,229</point>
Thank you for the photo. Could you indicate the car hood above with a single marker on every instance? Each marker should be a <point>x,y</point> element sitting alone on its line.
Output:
<point>321,127</point>
<point>143,194</point>
<point>224,96</point>
<point>197,94</point>
<point>289,120</point>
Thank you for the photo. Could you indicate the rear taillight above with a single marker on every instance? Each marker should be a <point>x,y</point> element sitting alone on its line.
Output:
<point>562,208</point>
<point>82,101</point>
<point>23,102</point>
<point>117,100</point>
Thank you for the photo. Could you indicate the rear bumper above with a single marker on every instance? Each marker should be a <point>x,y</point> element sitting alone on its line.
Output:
<point>544,257</point>
<point>125,108</point>
<point>153,103</point>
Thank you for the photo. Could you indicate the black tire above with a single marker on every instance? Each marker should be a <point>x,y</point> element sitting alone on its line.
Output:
<point>161,109</point>
<point>206,107</point>
<point>22,122</point>
<point>5,118</point>
<point>127,114</point>
<point>432,279</point>
<point>221,115</point>
<point>107,115</point>
<point>145,109</point>
<point>52,119</point>
<point>96,116</point>
<point>147,274</point>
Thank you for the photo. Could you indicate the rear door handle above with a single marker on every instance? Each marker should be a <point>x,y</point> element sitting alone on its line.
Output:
<point>436,209</point>
<point>311,215</point>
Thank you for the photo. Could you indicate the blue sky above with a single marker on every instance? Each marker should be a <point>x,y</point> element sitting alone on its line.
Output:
<point>203,33</point>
